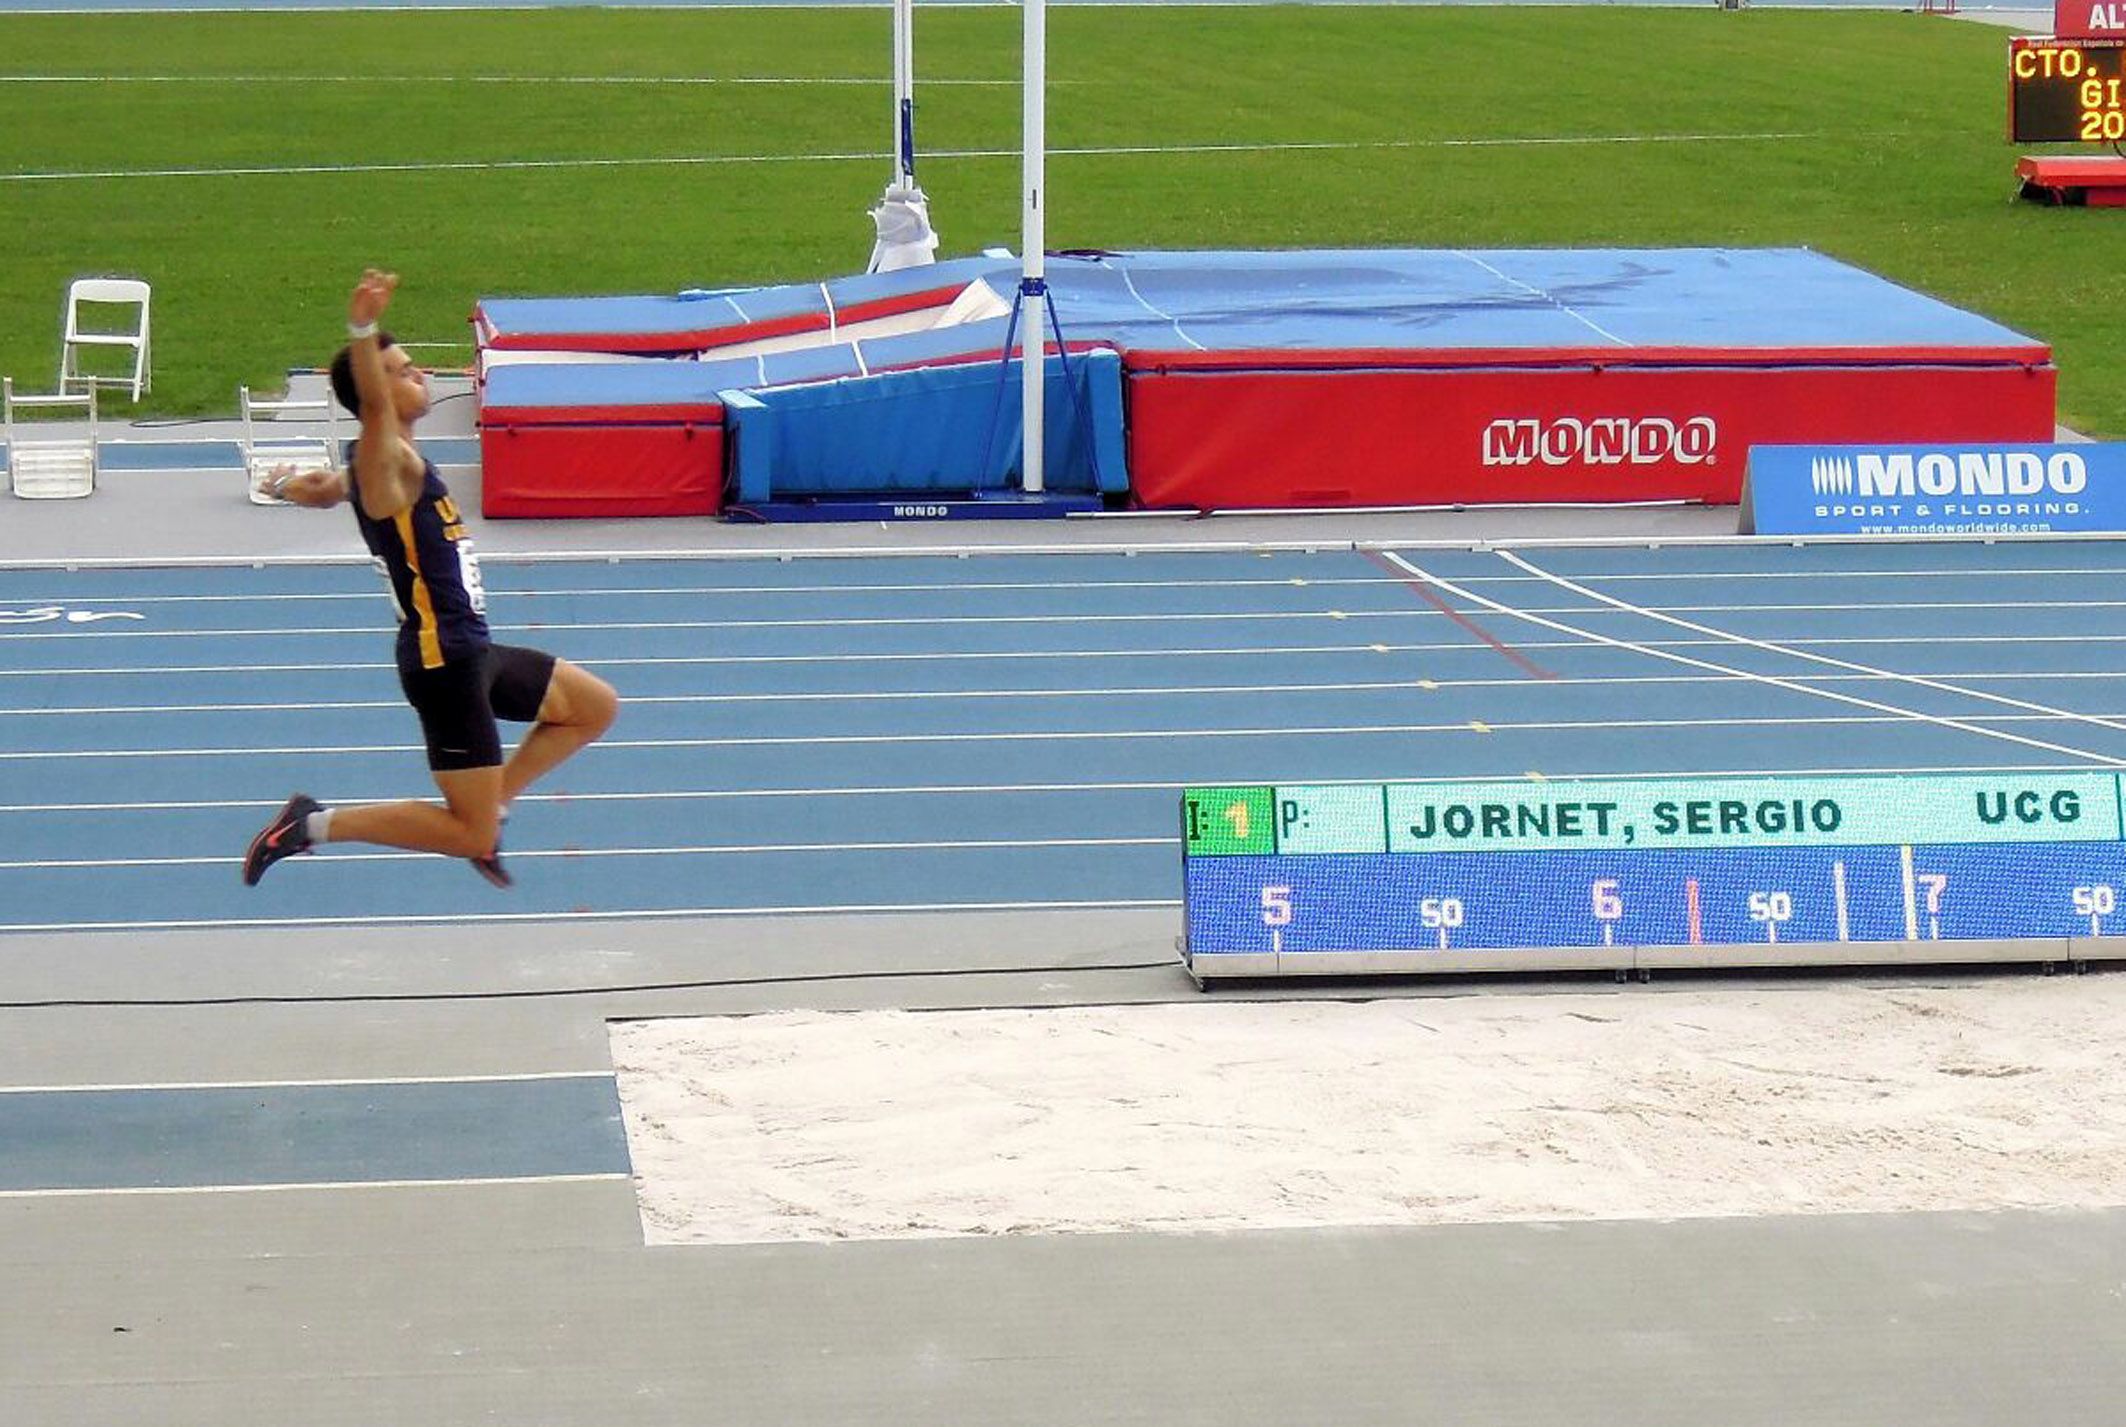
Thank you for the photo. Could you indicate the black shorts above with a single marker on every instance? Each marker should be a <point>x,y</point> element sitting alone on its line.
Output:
<point>459,702</point>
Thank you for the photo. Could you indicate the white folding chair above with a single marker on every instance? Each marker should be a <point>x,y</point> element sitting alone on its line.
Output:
<point>306,448</point>
<point>88,337</point>
<point>52,464</point>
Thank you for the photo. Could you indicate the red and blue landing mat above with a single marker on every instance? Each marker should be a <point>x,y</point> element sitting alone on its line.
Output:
<point>1228,380</point>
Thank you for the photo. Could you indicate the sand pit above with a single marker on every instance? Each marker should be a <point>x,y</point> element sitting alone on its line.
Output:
<point>1213,1114</point>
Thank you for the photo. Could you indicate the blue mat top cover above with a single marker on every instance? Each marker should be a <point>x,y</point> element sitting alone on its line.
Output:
<point>1712,299</point>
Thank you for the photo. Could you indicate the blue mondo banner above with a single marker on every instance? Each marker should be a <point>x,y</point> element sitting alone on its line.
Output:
<point>1935,490</point>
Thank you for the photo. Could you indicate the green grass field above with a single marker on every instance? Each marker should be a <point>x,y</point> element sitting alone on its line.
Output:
<point>1875,137</point>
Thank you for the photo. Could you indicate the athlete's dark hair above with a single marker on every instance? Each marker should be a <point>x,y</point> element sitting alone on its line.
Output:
<point>343,373</point>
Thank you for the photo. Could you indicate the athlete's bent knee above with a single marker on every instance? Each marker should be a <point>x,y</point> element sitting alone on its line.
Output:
<point>584,701</point>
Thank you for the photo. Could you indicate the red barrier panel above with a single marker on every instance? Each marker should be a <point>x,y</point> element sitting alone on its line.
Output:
<point>1285,438</point>
<point>555,469</point>
<point>2089,19</point>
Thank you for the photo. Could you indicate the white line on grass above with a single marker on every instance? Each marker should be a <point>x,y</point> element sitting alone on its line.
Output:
<point>691,160</point>
<point>1766,646</point>
<point>1793,686</point>
<point>425,80</point>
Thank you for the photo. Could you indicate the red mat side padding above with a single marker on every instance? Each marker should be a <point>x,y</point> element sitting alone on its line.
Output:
<point>589,471</point>
<point>2096,182</point>
<point>1237,439</point>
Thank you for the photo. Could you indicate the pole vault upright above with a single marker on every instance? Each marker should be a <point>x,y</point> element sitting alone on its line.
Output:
<point>905,237</point>
<point>903,93</point>
<point>1033,269</point>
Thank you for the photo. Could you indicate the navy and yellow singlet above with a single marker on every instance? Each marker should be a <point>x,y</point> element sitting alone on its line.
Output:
<point>428,562</point>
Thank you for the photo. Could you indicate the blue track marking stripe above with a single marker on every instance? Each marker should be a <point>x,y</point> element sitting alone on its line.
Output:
<point>228,1136</point>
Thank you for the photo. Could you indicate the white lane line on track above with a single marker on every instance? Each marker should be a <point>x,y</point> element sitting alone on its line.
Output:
<point>107,632</point>
<point>1014,790</point>
<point>503,595</point>
<point>708,850</point>
<point>1883,713</point>
<point>934,155</point>
<point>374,594</point>
<point>128,1089</point>
<point>618,914</point>
<point>2110,572</point>
<point>868,696</point>
<point>334,1185</point>
<point>798,696</point>
<point>1898,714</point>
<point>371,631</point>
<point>1460,646</point>
<point>1917,680</point>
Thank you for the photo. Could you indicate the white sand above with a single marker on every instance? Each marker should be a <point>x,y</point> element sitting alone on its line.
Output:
<point>1218,1114</point>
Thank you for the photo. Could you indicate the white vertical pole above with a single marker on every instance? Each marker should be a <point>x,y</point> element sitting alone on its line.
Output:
<point>1033,282</point>
<point>903,91</point>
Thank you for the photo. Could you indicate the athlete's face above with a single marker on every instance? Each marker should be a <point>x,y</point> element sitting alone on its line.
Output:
<point>409,384</point>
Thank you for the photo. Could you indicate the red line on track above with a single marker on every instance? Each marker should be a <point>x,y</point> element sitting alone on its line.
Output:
<point>1431,597</point>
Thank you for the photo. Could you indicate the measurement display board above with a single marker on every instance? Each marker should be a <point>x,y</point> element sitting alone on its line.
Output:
<point>2066,91</point>
<point>1625,873</point>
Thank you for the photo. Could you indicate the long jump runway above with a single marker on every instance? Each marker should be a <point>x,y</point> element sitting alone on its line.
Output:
<point>363,1115</point>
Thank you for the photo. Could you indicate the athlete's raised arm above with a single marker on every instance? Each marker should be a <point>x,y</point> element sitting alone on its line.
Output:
<point>387,470</point>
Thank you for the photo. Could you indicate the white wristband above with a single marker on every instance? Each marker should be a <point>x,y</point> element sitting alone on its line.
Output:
<point>359,330</point>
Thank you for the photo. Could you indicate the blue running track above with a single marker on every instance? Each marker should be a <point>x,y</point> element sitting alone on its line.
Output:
<point>998,731</point>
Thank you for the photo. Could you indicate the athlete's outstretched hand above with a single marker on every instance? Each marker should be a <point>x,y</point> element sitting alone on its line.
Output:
<point>371,296</point>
